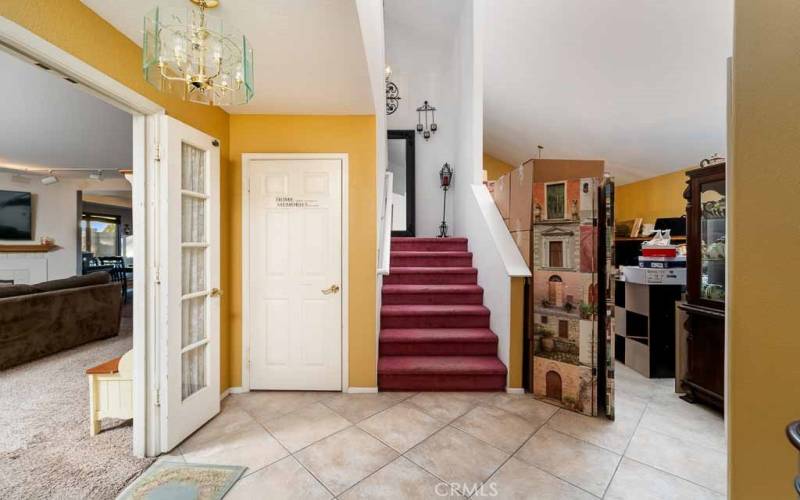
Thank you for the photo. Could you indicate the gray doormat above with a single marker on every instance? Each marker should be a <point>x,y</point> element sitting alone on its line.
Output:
<point>182,481</point>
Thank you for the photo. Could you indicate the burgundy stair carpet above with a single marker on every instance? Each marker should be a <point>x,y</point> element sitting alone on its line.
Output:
<point>435,332</point>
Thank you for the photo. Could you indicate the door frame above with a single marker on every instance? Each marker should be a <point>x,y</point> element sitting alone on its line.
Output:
<point>24,43</point>
<point>246,159</point>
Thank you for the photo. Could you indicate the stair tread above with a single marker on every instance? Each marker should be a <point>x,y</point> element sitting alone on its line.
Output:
<point>420,288</point>
<point>454,335</point>
<point>433,270</point>
<point>434,310</point>
<point>430,253</point>
<point>428,240</point>
<point>440,365</point>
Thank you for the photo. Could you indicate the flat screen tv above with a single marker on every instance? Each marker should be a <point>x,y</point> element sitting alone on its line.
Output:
<point>15,215</point>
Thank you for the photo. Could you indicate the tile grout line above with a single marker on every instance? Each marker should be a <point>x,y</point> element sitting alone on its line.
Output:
<point>513,455</point>
<point>403,454</point>
<point>290,454</point>
<point>627,445</point>
<point>488,401</point>
<point>640,426</point>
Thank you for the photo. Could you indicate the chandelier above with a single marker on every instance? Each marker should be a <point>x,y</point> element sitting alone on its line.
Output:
<point>197,57</point>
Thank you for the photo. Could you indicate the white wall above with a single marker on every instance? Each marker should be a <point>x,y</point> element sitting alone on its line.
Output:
<point>55,215</point>
<point>468,56</point>
<point>420,54</point>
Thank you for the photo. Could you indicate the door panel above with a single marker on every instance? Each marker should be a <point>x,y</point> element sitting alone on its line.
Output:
<point>295,272</point>
<point>189,280</point>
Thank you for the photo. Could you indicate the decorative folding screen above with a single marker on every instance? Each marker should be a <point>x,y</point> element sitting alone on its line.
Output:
<point>567,293</point>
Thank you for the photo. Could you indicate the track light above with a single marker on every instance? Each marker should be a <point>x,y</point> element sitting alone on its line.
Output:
<point>50,179</point>
<point>96,176</point>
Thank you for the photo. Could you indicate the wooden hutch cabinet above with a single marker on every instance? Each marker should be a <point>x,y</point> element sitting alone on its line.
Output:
<point>705,280</point>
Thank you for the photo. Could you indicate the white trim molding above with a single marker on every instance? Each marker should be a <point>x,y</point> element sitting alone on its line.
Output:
<point>246,159</point>
<point>361,390</point>
<point>231,390</point>
<point>515,390</point>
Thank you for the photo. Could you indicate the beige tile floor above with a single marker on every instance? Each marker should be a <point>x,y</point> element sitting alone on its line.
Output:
<point>454,445</point>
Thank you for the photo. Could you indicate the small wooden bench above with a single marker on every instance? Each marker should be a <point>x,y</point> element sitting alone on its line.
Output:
<point>110,390</point>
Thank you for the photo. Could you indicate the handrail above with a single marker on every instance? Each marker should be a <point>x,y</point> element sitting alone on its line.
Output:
<point>387,213</point>
<point>501,239</point>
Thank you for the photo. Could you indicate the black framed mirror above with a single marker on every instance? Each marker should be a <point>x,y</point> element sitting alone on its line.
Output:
<point>401,165</point>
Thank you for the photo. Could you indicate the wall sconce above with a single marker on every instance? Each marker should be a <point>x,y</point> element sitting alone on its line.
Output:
<point>426,130</point>
<point>392,93</point>
<point>445,180</point>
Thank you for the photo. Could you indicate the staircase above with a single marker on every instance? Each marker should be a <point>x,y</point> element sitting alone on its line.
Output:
<point>435,332</point>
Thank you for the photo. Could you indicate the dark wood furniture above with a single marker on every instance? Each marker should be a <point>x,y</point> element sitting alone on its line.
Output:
<point>705,301</point>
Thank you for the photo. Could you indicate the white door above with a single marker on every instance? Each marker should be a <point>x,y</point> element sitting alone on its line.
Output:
<point>189,280</point>
<point>295,274</point>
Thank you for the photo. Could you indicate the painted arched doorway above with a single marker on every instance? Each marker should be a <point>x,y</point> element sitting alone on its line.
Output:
<point>553,385</point>
<point>555,291</point>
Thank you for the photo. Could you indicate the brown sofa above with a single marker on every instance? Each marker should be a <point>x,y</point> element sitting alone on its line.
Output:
<point>50,317</point>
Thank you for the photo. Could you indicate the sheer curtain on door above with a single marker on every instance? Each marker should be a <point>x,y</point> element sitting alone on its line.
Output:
<point>194,255</point>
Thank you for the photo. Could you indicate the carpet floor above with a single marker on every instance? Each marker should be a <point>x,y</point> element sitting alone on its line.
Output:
<point>45,447</point>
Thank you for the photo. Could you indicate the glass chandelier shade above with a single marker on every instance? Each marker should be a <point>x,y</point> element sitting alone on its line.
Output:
<point>197,57</point>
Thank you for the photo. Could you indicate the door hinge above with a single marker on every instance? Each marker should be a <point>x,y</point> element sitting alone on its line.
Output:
<point>158,396</point>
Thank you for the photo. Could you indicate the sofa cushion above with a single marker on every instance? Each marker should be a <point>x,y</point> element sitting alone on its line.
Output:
<point>16,291</point>
<point>99,278</point>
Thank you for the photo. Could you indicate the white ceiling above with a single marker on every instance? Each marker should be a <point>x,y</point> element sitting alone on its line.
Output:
<point>47,122</point>
<point>640,84</point>
<point>308,54</point>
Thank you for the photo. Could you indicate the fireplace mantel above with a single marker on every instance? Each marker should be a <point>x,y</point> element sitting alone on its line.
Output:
<point>28,248</point>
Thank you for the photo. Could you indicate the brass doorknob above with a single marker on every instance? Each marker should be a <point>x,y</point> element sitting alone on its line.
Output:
<point>332,289</point>
<point>215,292</point>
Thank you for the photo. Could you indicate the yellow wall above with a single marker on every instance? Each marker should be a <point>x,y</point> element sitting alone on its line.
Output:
<point>516,332</point>
<point>354,135</point>
<point>76,29</point>
<point>652,198</point>
<point>494,167</point>
<point>763,245</point>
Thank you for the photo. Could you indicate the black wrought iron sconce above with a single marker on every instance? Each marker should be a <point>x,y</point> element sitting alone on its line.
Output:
<point>445,181</point>
<point>392,93</point>
<point>426,130</point>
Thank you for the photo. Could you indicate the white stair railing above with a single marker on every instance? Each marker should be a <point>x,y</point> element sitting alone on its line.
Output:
<point>386,224</point>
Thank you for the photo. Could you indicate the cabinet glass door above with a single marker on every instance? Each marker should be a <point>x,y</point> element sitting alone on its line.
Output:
<point>712,245</point>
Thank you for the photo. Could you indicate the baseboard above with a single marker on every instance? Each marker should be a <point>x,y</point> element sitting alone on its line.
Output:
<point>232,390</point>
<point>362,390</point>
<point>515,390</point>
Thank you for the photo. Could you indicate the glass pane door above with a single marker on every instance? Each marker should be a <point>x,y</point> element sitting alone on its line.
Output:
<point>712,235</point>
<point>194,270</point>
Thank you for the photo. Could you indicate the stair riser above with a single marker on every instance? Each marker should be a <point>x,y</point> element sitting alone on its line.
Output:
<point>433,298</point>
<point>441,382</point>
<point>430,279</point>
<point>433,246</point>
<point>423,321</point>
<point>431,261</point>
<point>438,349</point>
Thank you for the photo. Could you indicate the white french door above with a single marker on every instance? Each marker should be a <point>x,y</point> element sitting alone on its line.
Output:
<point>295,273</point>
<point>189,278</point>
